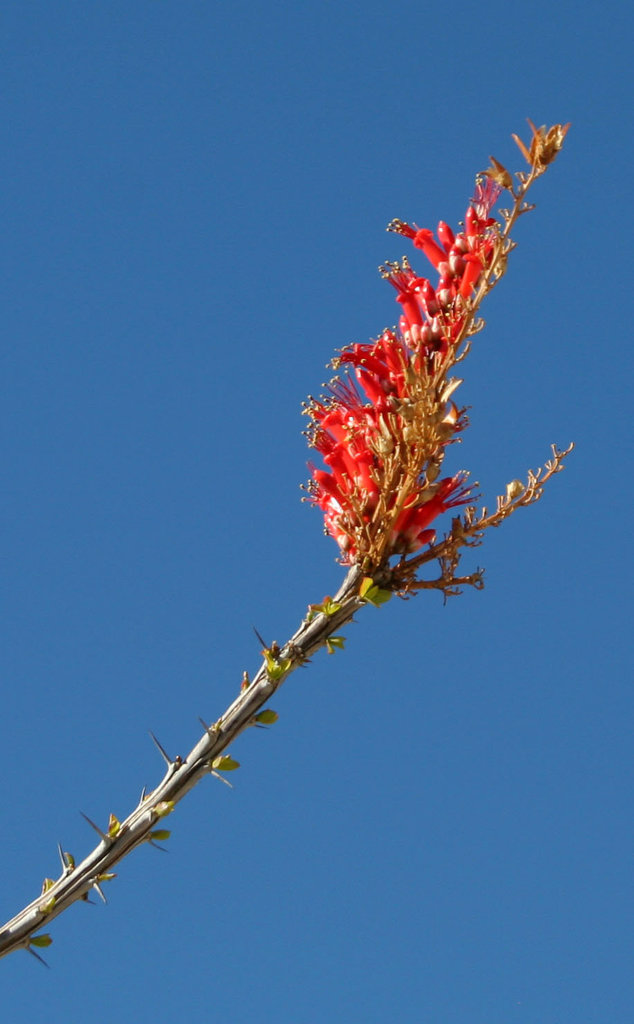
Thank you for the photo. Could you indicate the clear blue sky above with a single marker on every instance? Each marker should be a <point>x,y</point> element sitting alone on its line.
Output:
<point>194,198</point>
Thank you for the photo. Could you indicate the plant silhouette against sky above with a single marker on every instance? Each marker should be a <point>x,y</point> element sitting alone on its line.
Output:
<point>382,431</point>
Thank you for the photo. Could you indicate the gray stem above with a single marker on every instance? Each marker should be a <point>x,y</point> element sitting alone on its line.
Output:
<point>181,776</point>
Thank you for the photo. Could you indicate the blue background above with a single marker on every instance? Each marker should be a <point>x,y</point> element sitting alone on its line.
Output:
<point>194,199</point>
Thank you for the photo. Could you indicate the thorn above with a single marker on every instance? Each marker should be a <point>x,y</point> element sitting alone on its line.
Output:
<point>259,637</point>
<point>62,857</point>
<point>96,886</point>
<point>143,795</point>
<point>103,835</point>
<point>157,847</point>
<point>165,756</point>
<point>37,957</point>
<point>222,779</point>
<point>211,730</point>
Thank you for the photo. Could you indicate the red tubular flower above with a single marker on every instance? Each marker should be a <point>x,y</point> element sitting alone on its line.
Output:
<point>379,368</point>
<point>470,275</point>
<point>424,239</point>
<point>368,422</point>
<point>412,291</point>
<point>410,529</point>
<point>446,236</point>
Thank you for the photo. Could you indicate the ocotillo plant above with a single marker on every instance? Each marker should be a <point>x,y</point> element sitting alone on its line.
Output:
<point>383,430</point>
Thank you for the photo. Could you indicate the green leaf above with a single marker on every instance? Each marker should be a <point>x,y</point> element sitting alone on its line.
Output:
<point>163,808</point>
<point>224,763</point>
<point>160,833</point>
<point>267,717</point>
<point>113,826</point>
<point>41,941</point>
<point>276,667</point>
<point>372,593</point>
<point>334,643</point>
<point>327,607</point>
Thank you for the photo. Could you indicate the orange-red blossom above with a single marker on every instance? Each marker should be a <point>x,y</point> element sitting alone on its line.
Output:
<point>360,425</point>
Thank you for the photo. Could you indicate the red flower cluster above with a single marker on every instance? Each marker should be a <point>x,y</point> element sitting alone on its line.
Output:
<point>433,317</point>
<point>383,437</point>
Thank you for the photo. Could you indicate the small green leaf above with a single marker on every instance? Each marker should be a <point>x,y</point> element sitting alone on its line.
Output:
<point>327,607</point>
<point>48,905</point>
<point>224,763</point>
<point>160,833</point>
<point>107,876</point>
<point>41,941</point>
<point>47,884</point>
<point>163,808</point>
<point>275,667</point>
<point>113,826</point>
<point>267,717</point>
<point>372,593</point>
<point>334,643</point>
